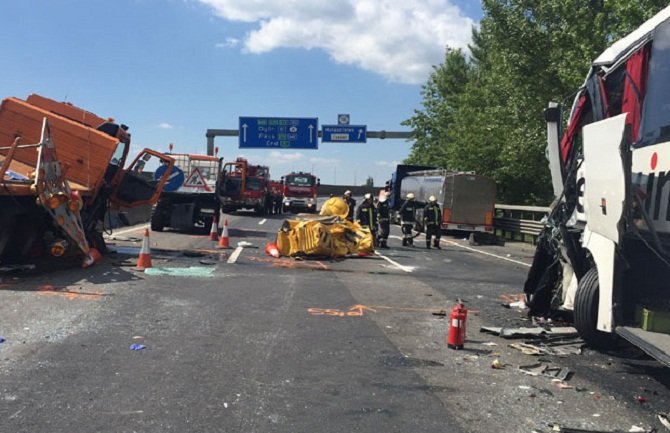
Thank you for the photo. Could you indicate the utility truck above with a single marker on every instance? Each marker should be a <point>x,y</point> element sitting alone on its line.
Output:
<point>467,200</point>
<point>299,192</point>
<point>241,185</point>
<point>61,171</point>
<point>189,197</point>
<point>604,255</point>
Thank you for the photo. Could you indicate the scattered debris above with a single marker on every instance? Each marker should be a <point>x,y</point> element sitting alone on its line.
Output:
<point>245,244</point>
<point>663,418</point>
<point>563,331</point>
<point>489,343</point>
<point>557,373</point>
<point>640,399</point>
<point>578,430</point>
<point>497,365</point>
<point>10,268</point>
<point>439,313</point>
<point>136,346</point>
<point>527,349</point>
<point>2,340</point>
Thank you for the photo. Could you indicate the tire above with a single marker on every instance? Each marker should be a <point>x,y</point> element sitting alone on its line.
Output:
<point>586,312</point>
<point>473,239</point>
<point>157,220</point>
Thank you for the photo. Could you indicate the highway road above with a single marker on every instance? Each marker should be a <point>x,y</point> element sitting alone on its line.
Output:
<point>243,342</point>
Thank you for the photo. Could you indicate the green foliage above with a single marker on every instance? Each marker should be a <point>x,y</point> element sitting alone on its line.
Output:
<point>484,112</point>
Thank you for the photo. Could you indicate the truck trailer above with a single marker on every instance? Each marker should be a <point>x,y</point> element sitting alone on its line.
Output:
<point>604,255</point>
<point>467,200</point>
<point>189,197</point>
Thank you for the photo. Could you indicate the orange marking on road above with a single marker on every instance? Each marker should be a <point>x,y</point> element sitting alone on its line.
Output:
<point>48,289</point>
<point>354,311</point>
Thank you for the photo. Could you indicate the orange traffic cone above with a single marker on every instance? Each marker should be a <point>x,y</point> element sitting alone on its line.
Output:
<point>214,232</point>
<point>144,260</point>
<point>271,249</point>
<point>93,257</point>
<point>224,242</point>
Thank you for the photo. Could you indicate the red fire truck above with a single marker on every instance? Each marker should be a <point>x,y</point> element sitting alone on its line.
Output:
<point>299,191</point>
<point>244,186</point>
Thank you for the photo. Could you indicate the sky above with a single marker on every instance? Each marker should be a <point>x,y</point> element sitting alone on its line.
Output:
<point>171,69</point>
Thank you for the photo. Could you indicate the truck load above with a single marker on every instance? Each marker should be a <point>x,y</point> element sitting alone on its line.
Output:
<point>189,197</point>
<point>604,254</point>
<point>241,185</point>
<point>299,192</point>
<point>88,153</point>
<point>467,200</point>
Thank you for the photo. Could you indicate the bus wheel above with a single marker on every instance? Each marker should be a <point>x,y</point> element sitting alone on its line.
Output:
<point>586,312</point>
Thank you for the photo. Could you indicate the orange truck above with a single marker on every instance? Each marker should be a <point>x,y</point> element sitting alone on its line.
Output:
<point>61,171</point>
<point>241,185</point>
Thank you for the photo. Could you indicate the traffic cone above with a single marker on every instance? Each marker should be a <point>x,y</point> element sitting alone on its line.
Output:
<point>271,249</point>
<point>224,242</point>
<point>144,260</point>
<point>214,232</point>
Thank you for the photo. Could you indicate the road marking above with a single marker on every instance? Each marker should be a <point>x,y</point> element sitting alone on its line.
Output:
<point>407,269</point>
<point>354,311</point>
<point>261,222</point>
<point>233,257</point>
<point>486,253</point>
<point>120,232</point>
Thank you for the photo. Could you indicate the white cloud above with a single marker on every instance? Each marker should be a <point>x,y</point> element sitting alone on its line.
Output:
<point>277,157</point>
<point>165,125</point>
<point>229,43</point>
<point>386,163</point>
<point>398,39</point>
<point>324,161</point>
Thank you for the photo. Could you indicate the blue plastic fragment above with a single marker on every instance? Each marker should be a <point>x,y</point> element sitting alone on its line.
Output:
<point>136,346</point>
<point>2,340</point>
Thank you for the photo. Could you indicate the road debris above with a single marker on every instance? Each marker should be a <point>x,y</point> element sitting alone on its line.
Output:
<point>663,418</point>
<point>136,346</point>
<point>529,332</point>
<point>2,340</point>
<point>497,365</point>
<point>12,268</point>
<point>560,374</point>
<point>192,271</point>
<point>245,244</point>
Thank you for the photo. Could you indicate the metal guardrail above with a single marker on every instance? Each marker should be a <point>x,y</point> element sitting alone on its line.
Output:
<point>523,223</point>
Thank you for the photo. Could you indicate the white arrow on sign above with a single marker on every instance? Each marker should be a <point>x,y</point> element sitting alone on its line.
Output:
<point>311,130</point>
<point>244,133</point>
<point>360,132</point>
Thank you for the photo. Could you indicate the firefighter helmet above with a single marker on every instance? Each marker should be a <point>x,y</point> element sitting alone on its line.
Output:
<point>410,196</point>
<point>347,193</point>
<point>432,199</point>
<point>368,196</point>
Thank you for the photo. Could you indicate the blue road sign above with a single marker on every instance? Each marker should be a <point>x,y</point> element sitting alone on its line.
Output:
<point>174,181</point>
<point>344,133</point>
<point>279,133</point>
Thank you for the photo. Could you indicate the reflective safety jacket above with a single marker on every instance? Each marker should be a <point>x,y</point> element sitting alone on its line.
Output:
<point>407,212</point>
<point>384,212</point>
<point>366,214</point>
<point>432,215</point>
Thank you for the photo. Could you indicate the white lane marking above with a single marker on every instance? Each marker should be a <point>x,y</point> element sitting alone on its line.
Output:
<point>407,269</point>
<point>261,222</point>
<point>486,253</point>
<point>233,257</point>
<point>132,229</point>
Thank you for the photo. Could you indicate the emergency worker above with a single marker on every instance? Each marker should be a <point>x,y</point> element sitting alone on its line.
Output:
<point>366,215</point>
<point>349,200</point>
<point>277,204</point>
<point>383,220</point>
<point>432,221</point>
<point>407,217</point>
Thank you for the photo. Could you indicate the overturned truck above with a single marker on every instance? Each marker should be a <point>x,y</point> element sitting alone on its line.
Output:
<point>61,171</point>
<point>604,254</point>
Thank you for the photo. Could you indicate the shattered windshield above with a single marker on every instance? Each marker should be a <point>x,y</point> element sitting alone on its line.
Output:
<point>299,180</point>
<point>655,127</point>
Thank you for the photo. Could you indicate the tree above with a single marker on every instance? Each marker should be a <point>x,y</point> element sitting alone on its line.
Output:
<point>369,182</point>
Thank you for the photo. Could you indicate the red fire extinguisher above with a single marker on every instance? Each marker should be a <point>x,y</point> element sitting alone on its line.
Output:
<point>459,315</point>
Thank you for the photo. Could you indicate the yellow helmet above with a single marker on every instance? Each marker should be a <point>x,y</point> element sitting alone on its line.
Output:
<point>432,199</point>
<point>410,196</point>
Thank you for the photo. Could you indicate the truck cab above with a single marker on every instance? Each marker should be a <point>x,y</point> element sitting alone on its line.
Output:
<point>241,185</point>
<point>299,192</point>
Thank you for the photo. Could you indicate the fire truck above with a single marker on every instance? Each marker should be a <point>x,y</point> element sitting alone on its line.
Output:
<point>189,197</point>
<point>299,192</point>
<point>604,255</point>
<point>241,185</point>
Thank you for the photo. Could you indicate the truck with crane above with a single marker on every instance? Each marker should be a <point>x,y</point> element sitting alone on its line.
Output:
<point>604,254</point>
<point>241,185</point>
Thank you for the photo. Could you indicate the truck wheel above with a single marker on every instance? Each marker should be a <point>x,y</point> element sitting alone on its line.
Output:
<point>157,223</point>
<point>586,312</point>
<point>473,239</point>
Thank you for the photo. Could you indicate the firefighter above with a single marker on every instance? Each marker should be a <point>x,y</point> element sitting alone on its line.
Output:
<point>351,203</point>
<point>383,220</point>
<point>407,217</point>
<point>366,215</point>
<point>277,204</point>
<point>432,221</point>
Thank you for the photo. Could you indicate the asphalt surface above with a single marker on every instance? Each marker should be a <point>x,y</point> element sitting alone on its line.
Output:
<point>249,343</point>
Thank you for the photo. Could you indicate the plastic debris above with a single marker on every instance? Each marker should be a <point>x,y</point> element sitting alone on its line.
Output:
<point>2,340</point>
<point>136,346</point>
<point>193,271</point>
<point>496,364</point>
<point>245,244</point>
<point>663,418</point>
<point>640,399</point>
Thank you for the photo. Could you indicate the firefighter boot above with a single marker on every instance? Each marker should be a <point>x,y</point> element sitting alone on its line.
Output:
<point>437,244</point>
<point>428,244</point>
<point>404,242</point>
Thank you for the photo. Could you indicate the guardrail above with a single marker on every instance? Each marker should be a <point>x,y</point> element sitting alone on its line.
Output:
<point>520,223</point>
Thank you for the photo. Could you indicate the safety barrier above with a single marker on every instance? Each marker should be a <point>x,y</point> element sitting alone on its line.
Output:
<point>521,223</point>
